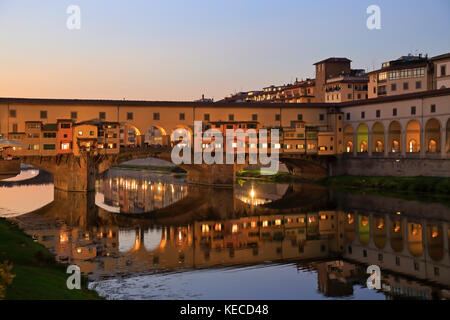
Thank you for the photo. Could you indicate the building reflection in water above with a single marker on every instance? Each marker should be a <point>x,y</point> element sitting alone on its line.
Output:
<point>413,255</point>
<point>140,193</point>
<point>338,244</point>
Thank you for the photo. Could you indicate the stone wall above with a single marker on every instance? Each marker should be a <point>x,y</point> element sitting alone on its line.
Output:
<point>9,167</point>
<point>395,167</point>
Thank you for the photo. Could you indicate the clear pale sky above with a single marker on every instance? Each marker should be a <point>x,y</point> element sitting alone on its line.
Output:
<point>179,49</point>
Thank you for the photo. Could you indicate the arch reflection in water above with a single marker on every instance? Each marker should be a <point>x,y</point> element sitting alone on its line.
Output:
<point>138,192</point>
<point>260,194</point>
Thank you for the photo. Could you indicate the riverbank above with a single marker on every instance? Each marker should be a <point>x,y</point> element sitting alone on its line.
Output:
<point>255,174</point>
<point>419,188</point>
<point>36,274</point>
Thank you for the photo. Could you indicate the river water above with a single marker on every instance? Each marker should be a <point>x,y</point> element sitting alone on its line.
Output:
<point>144,235</point>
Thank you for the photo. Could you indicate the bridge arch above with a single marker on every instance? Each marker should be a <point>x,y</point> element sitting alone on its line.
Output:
<point>362,138</point>
<point>396,234</point>
<point>433,135</point>
<point>156,135</point>
<point>182,130</point>
<point>348,138</point>
<point>350,228</point>
<point>435,242</point>
<point>415,239</point>
<point>378,143</point>
<point>364,229</point>
<point>129,135</point>
<point>413,136</point>
<point>379,232</point>
<point>447,135</point>
<point>395,134</point>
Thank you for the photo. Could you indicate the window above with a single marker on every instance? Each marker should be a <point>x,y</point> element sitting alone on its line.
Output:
<point>231,117</point>
<point>443,71</point>
<point>65,125</point>
<point>378,113</point>
<point>129,115</point>
<point>49,147</point>
<point>73,115</point>
<point>436,271</point>
<point>65,146</point>
<point>102,115</point>
<point>300,117</point>
<point>397,261</point>
<point>206,116</point>
<point>394,111</point>
<point>363,114</point>
<point>359,95</point>
<point>365,253</point>
<point>433,108</point>
<point>348,116</point>
<point>182,116</point>
<point>12,113</point>
<point>393,87</point>
<point>413,110</point>
<point>49,134</point>
<point>380,257</point>
<point>349,86</point>
<point>418,84</point>
<point>405,85</point>
<point>349,96</point>
<point>15,127</point>
<point>155,115</point>
<point>374,89</point>
<point>277,117</point>
<point>43,114</point>
<point>321,117</point>
<point>254,117</point>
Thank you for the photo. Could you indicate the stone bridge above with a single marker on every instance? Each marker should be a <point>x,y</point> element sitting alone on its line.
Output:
<point>78,174</point>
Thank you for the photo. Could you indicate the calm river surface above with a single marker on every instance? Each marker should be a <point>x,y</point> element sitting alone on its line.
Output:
<point>144,235</point>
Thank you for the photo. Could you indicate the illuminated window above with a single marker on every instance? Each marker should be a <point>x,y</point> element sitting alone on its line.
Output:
<point>80,133</point>
<point>278,222</point>
<point>205,228</point>
<point>65,146</point>
<point>234,228</point>
<point>265,223</point>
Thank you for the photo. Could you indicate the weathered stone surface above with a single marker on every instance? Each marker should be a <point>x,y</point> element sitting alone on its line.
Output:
<point>9,167</point>
<point>395,167</point>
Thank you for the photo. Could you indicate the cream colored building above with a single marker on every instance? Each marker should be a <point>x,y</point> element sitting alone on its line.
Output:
<point>441,71</point>
<point>408,74</point>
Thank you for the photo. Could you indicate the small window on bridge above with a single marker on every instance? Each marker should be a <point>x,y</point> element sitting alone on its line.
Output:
<point>206,116</point>
<point>156,116</point>
<point>182,116</point>
<point>12,113</point>
<point>73,115</point>
<point>129,115</point>
<point>102,115</point>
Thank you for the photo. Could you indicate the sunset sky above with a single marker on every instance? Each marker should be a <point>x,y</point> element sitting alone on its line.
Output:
<point>181,49</point>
